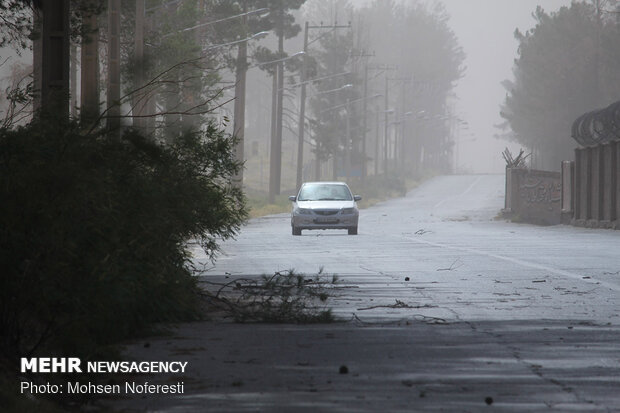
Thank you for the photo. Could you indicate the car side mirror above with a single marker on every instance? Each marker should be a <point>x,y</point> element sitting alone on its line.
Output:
<point>357,197</point>
<point>292,198</point>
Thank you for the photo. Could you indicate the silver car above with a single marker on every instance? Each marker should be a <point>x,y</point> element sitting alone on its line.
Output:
<point>324,205</point>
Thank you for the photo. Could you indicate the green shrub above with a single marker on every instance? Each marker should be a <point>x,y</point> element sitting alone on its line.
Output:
<point>94,231</point>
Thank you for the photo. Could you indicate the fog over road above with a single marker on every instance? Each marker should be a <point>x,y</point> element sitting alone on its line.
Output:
<point>458,257</point>
<point>491,316</point>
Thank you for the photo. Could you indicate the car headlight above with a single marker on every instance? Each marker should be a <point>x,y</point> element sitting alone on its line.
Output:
<point>348,211</point>
<point>303,211</point>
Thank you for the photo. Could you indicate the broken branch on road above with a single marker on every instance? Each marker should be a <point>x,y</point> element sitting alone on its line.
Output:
<point>397,304</point>
<point>452,266</point>
<point>283,297</point>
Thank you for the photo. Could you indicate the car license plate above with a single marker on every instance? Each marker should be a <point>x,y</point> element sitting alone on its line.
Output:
<point>326,220</point>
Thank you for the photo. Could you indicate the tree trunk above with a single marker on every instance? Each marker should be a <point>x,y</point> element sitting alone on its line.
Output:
<point>89,94</point>
<point>278,169</point>
<point>239,110</point>
<point>51,58</point>
<point>114,72</point>
<point>139,98</point>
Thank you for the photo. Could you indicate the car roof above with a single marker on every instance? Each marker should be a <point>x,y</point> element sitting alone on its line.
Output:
<point>325,183</point>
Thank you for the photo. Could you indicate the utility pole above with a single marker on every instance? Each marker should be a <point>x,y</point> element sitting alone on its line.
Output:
<point>239,109</point>
<point>364,126</point>
<point>317,166</point>
<point>274,154</point>
<point>302,104</point>
<point>384,68</point>
<point>386,146</point>
<point>376,141</point>
<point>347,144</point>
<point>364,116</point>
<point>385,128</point>
<point>400,149</point>
<point>302,112</point>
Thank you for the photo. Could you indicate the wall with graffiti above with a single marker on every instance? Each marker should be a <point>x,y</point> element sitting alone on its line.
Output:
<point>533,196</point>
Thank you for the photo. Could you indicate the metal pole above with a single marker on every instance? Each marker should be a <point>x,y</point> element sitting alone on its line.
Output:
<point>402,144</point>
<point>385,129</point>
<point>317,167</point>
<point>274,150</point>
<point>302,113</point>
<point>376,141</point>
<point>364,124</point>
<point>347,144</point>
<point>458,138</point>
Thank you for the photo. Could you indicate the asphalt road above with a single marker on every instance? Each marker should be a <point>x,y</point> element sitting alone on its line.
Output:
<point>443,307</point>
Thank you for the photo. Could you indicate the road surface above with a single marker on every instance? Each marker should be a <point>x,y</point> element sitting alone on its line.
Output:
<point>444,307</point>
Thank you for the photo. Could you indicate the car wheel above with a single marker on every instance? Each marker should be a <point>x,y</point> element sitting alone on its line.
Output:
<point>296,231</point>
<point>353,231</point>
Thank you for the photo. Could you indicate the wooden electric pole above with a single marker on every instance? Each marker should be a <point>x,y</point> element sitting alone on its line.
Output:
<point>302,105</point>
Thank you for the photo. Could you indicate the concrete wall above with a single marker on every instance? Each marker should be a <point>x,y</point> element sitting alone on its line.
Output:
<point>568,191</point>
<point>533,196</point>
<point>596,186</point>
<point>586,193</point>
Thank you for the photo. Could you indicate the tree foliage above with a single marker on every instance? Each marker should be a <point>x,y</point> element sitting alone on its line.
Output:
<point>276,8</point>
<point>16,23</point>
<point>417,39</point>
<point>95,231</point>
<point>288,29</point>
<point>568,64</point>
<point>330,103</point>
<point>180,66</point>
<point>17,18</point>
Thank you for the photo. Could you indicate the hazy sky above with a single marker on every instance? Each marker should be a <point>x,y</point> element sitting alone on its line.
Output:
<point>485,30</point>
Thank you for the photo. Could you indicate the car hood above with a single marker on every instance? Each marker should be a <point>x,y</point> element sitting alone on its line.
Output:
<point>325,204</point>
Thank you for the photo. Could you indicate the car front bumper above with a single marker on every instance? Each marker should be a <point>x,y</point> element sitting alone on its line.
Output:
<point>333,222</point>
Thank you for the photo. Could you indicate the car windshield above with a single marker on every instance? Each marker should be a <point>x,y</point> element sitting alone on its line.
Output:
<point>324,192</point>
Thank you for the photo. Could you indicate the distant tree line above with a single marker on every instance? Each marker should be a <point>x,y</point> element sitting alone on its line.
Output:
<point>99,209</point>
<point>106,191</point>
<point>388,111</point>
<point>568,64</point>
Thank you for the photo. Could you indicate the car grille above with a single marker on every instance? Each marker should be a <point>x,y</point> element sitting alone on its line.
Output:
<point>326,212</point>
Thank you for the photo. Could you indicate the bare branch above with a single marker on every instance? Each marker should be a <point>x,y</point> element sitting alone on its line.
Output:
<point>157,82</point>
